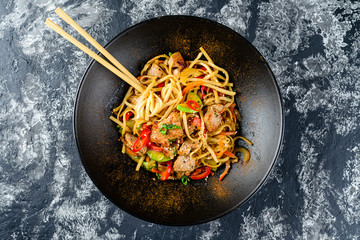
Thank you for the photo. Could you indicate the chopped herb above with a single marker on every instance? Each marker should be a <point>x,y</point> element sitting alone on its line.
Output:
<point>139,127</point>
<point>214,169</point>
<point>120,128</point>
<point>172,140</point>
<point>184,180</point>
<point>174,151</point>
<point>158,175</point>
<point>170,54</point>
<point>165,127</point>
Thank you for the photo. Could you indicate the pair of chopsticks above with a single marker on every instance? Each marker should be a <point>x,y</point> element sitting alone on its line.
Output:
<point>118,70</point>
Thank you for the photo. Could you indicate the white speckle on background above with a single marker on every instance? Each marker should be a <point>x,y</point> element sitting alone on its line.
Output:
<point>270,220</point>
<point>348,198</point>
<point>8,195</point>
<point>315,184</point>
<point>113,234</point>
<point>214,231</point>
<point>234,15</point>
<point>81,220</point>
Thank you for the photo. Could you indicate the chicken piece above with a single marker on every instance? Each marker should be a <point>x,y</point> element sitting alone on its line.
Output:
<point>163,139</point>
<point>177,62</point>
<point>156,71</point>
<point>157,137</point>
<point>133,99</point>
<point>213,117</point>
<point>173,118</point>
<point>190,123</point>
<point>184,164</point>
<point>171,151</point>
<point>129,141</point>
<point>188,146</point>
<point>218,107</point>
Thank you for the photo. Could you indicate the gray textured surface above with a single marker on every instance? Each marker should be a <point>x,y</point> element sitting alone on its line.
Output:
<point>313,192</point>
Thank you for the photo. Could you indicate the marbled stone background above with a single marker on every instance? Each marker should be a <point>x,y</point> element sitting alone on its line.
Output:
<point>312,47</point>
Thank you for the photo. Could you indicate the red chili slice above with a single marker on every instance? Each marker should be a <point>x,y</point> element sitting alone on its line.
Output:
<point>161,84</point>
<point>193,105</point>
<point>143,139</point>
<point>128,115</point>
<point>200,173</point>
<point>139,142</point>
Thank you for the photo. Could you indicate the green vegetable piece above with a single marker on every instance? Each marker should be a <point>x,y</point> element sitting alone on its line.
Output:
<point>184,108</point>
<point>214,169</point>
<point>149,165</point>
<point>174,151</point>
<point>170,54</point>
<point>165,127</point>
<point>194,97</point>
<point>157,156</point>
<point>130,124</point>
<point>190,97</point>
<point>135,158</point>
<point>184,180</point>
<point>172,126</point>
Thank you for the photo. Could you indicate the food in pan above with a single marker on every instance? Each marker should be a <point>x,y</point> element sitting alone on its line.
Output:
<point>184,124</point>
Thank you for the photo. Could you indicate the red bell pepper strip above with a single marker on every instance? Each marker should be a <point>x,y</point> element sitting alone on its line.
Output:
<point>200,173</point>
<point>155,170</point>
<point>130,152</point>
<point>193,105</point>
<point>229,154</point>
<point>203,68</point>
<point>231,108</point>
<point>227,167</point>
<point>227,133</point>
<point>128,115</point>
<point>205,131</point>
<point>203,89</point>
<point>202,76</point>
<point>197,122</point>
<point>165,175</point>
<point>191,86</point>
<point>161,84</point>
<point>152,146</point>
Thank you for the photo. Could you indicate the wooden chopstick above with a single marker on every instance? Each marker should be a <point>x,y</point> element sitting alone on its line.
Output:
<point>93,42</point>
<point>130,80</point>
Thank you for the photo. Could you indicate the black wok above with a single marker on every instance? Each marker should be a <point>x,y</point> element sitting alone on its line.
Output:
<point>171,202</point>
